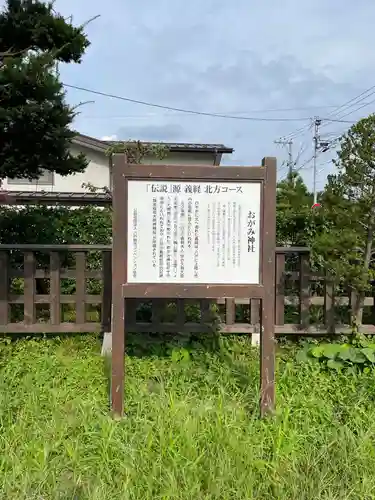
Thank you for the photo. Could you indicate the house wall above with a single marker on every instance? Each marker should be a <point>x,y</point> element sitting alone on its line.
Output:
<point>97,172</point>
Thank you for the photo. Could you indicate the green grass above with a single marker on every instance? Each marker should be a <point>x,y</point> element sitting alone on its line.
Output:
<point>191,432</point>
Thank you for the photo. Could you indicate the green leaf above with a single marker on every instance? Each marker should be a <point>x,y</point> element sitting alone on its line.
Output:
<point>185,355</point>
<point>347,353</point>
<point>175,355</point>
<point>330,351</point>
<point>302,356</point>
<point>352,370</point>
<point>369,353</point>
<point>335,365</point>
<point>359,357</point>
<point>180,356</point>
<point>317,351</point>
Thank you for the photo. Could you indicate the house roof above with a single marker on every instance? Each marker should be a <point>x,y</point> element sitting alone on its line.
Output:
<point>51,198</point>
<point>100,145</point>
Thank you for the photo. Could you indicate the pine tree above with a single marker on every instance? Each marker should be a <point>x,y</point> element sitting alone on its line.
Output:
<point>347,244</point>
<point>293,211</point>
<point>35,120</point>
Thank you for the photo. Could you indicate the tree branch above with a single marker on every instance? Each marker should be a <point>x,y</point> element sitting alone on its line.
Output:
<point>90,21</point>
<point>9,53</point>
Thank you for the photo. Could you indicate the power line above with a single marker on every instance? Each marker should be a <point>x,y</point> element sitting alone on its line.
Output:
<point>335,133</point>
<point>148,115</point>
<point>302,149</point>
<point>363,96</point>
<point>343,107</point>
<point>304,164</point>
<point>319,146</point>
<point>181,110</point>
<point>309,165</point>
<point>299,131</point>
<point>151,115</point>
<point>335,116</point>
<point>316,140</point>
<point>188,111</point>
<point>289,145</point>
<point>352,101</point>
<point>338,120</point>
<point>276,110</point>
<point>325,163</point>
<point>355,110</point>
<point>360,107</point>
<point>308,127</point>
<point>296,171</point>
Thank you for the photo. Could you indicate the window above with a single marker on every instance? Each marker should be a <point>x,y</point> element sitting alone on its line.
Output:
<point>46,179</point>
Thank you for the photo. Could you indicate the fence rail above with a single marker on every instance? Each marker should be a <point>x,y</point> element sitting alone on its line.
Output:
<point>67,288</point>
<point>54,318</point>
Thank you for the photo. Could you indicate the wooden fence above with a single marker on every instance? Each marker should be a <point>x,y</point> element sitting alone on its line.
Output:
<point>32,276</point>
<point>67,288</point>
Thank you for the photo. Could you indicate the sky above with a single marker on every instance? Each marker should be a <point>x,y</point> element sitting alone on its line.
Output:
<point>244,58</point>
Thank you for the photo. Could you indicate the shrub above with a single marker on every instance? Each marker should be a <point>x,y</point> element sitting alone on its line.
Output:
<point>355,355</point>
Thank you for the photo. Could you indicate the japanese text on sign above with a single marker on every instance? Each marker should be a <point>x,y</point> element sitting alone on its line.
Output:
<point>193,232</point>
<point>189,188</point>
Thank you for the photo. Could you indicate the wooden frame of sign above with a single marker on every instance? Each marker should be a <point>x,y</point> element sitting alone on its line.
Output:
<point>194,232</point>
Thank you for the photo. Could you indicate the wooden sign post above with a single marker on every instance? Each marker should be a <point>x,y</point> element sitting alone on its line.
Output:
<point>197,232</point>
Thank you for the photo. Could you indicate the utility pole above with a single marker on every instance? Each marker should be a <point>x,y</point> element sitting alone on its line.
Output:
<point>289,145</point>
<point>316,143</point>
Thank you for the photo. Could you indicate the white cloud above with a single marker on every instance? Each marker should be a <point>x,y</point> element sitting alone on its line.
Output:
<point>109,137</point>
<point>221,57</point>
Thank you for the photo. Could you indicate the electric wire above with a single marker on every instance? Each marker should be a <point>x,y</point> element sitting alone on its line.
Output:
<point>187,111</point>
<point>360,107</point>
<point>353,101</point>
<point>336,112</point>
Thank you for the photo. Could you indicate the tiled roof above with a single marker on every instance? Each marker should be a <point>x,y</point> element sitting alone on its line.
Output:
<point>49,197</point>
<point>99,145</point>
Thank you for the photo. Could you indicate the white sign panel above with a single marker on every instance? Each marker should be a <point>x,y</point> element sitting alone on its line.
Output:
<point>193,232</point>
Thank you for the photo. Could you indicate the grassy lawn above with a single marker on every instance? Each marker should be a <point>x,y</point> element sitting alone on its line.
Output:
<point>191,432</point>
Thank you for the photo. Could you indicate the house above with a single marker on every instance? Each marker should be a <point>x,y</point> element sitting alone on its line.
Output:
<point>98,171</point>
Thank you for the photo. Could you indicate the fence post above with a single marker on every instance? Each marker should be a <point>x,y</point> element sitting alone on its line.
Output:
<point>107,303</point>
<point>158,306</point>
<point>4,288</point>
<point>55,311</point>
<point>280,289</point>
<point>29,288</point>
<point>329,307</point>
<point>352,300</point>
<point>80,287</point>
<point>206,319</point>
<point>230,311</point>
<point>106,291</point>
<point>255,320</point>
<point>180,320</point>
<point>304,289</point>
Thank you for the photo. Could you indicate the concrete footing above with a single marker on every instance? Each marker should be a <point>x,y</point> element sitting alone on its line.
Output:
<point>255,339</point>
<point>107,344</point>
